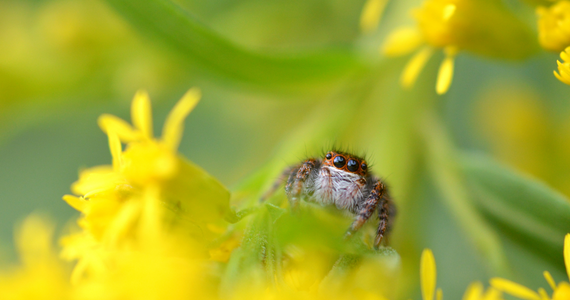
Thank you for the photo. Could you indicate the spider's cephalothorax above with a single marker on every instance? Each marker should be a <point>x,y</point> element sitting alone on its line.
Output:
<point>342,180</point>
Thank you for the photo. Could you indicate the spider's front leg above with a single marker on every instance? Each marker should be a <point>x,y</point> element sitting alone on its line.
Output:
<point>367,209</point>
<point>285,174</point>
<point>386,214</point>
<point>297,180</point>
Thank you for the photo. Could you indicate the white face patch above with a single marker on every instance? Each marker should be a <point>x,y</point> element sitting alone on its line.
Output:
<point>341,188</point>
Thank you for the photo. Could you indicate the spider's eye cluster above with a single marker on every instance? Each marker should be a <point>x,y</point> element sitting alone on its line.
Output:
<point>339,161</point>
<point>352,165</point>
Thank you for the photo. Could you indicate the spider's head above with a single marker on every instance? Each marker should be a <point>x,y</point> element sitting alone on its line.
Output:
<point>346,162</point>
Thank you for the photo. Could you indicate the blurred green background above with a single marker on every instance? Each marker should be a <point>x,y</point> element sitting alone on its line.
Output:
<point>283,80</point>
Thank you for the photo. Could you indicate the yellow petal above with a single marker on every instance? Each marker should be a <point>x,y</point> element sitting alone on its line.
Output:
<point>543,294</point>
<point>174,124</point>
<point>549,279</point>
<point>474,291</point>
<point>116,150</point>
<point>414,67</point>
<point>492,294</point>
<point>34,240</point>
<point>567,253</point>
<point>564,80</point>
<point>141,114</point>
<point>123,129</point>
<point>448,11</point>
<point>564,69</point>
<point>97,179</point>
<point>439,294</point>
<point>514,289</point>
<point>402,41</point>
<point>78,271</point>
<point>371,14</point>
<point>564,55</point>
<point>151,214</point>
<point>122,222</point>
<point>562,292</point>
<point>428,274</point>
<point>445,75</point>
<point>75,202</point>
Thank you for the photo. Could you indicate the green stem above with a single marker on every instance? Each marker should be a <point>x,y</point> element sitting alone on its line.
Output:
<point>442,162</point>
<point>199,44</point>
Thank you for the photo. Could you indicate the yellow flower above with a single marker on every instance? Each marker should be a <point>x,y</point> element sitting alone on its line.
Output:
<point>561,291</point>
<point>42,275</point>
<point>148,198</point>
<point>564,67</point>
<point>554,26</point>
<point>554,34</point>
<point>481,27</point>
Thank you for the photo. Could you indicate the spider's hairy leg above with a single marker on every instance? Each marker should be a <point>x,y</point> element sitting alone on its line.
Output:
<point>367,210</point>
<point>296,181</point>
<point>287,173</point>
<point>386,214</point>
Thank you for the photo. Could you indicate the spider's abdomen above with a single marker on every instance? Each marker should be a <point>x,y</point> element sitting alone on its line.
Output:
<point>338,187</point>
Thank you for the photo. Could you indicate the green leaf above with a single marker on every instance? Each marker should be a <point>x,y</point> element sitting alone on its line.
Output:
<point>523,209</point>
<point>275,212</point>
<point>199,44</point>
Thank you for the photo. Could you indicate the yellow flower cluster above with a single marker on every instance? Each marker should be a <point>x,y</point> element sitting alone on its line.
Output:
<point>560,291</point>
<point>554,34</point>
<point>498,285</point>
<point>482,27</point>
<point>145,224</point>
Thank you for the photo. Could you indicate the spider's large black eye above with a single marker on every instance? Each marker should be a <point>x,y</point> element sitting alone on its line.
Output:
<point>328,156</point>
<point>364,166</point>
<point>339,162</point>
<point>352,165</point>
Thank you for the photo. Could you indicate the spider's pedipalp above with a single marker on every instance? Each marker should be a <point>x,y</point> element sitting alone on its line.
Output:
<point>297,180</point>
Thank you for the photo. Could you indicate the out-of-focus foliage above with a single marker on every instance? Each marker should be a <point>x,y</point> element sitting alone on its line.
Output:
<point>282,81</point>
<point>53,48</point>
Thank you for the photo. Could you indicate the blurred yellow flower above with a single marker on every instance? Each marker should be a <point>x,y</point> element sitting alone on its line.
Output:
<point>560,291</point>
<point>554,26</point>
<point>554,35</point>
<point>42,275</point>
<point>482,27</point>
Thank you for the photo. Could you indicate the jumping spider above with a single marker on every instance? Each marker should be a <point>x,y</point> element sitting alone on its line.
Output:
<point>343,180</point>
